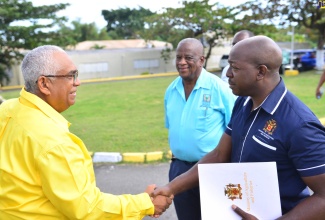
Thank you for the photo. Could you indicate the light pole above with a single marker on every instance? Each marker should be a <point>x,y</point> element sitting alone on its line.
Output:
<point>292,72</point>
<point>292,46</point>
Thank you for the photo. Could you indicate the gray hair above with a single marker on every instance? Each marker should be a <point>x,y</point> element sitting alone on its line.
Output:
<point>37,62</point>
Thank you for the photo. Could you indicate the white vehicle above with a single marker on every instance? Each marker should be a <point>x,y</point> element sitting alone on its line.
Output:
<point>223,61</point>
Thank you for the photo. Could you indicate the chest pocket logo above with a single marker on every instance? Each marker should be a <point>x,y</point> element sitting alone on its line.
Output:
<point>206,100</point>
<point>270,126</point>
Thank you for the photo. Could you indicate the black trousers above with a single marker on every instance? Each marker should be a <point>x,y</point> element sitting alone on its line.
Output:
<point>187,204</point>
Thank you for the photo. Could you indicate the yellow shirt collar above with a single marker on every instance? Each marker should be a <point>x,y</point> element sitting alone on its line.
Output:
<point>33,101</point>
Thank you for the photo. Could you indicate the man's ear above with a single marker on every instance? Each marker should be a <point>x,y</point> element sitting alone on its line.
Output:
<point>262,70</point>
<point>202,60</point>
<point>43,85</point>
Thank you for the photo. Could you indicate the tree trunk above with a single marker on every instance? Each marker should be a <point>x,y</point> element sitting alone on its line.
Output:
<point>208,55</point>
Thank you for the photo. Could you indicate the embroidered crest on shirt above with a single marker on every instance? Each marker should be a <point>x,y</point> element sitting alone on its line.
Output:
<point>206,100</point>
<point>233,191</point>
<point>270,126</point>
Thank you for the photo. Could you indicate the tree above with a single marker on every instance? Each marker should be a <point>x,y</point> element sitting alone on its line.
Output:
<point>16,35</point>
<point>303,13</point>
<point>159,28</point>
<point>197,19</point>
<point>165,54</point>
<point>126,22</point>
<point>77,32</point>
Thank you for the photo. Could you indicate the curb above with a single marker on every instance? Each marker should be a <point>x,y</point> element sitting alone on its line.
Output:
<point>115,157</point>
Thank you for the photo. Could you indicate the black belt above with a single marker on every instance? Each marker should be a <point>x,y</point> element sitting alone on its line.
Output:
<point>184,161</point>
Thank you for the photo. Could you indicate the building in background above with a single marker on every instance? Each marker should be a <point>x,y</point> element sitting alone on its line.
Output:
<point>113,58</point>
<point>118,58</point>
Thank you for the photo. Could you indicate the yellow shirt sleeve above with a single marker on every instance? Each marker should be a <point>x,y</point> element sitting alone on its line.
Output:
<point>68,181</point>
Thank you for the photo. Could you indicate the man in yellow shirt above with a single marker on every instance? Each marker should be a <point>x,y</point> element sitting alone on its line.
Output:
<point>46,171</point>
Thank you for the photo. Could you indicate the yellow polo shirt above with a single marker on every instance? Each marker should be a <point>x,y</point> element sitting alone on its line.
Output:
<point>46,171</point>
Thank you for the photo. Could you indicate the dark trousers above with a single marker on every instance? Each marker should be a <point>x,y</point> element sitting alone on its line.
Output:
<point>187,204</point>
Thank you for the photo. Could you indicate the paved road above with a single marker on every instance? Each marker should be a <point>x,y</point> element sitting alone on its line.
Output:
<point>133,179</point>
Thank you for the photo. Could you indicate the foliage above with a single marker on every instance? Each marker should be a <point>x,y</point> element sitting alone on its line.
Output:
<point>24,26</point>
<point>212,23</point>
<point>197,19</point>
<point>80,32</point>
<point>160,29</point>
<point>165,54</point>
<point>304,13</point>
<point>15,36</point>
<point>97,47</point>
<point>126,22</point>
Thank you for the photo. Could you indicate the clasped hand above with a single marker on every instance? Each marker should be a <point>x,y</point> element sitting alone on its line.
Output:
<point>161,202</point>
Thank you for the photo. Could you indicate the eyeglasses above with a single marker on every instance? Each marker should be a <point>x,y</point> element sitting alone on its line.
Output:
<point>74,74</point>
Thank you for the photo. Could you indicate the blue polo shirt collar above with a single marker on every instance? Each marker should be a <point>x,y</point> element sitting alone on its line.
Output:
<point>273,100</point>
<point>200,83</point>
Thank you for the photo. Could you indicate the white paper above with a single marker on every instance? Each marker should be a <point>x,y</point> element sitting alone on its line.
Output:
<point>253,187</point>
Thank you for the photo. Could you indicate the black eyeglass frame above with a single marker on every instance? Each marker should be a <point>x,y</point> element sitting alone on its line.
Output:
<point>74,75</point>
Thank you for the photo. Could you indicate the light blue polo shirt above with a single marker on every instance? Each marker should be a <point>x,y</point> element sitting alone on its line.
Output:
<point>196,125</point>
<point>284,130</point>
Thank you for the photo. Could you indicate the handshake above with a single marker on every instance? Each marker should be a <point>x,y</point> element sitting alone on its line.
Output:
<point>162,198</point>
<point>160,201</point>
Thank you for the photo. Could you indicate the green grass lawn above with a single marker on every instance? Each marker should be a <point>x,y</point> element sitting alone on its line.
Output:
<point>304,86</point>
<point>128,116</point>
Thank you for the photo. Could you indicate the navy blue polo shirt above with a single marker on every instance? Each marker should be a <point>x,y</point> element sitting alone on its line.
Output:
<point>284,130</point>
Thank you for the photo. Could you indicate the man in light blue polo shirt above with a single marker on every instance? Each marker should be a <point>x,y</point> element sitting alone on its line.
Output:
<point>240,35</point>
<point>198,107</point>
<point>269,123</point>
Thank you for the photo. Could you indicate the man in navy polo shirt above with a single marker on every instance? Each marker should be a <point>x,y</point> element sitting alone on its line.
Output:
<point>269,123</point>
